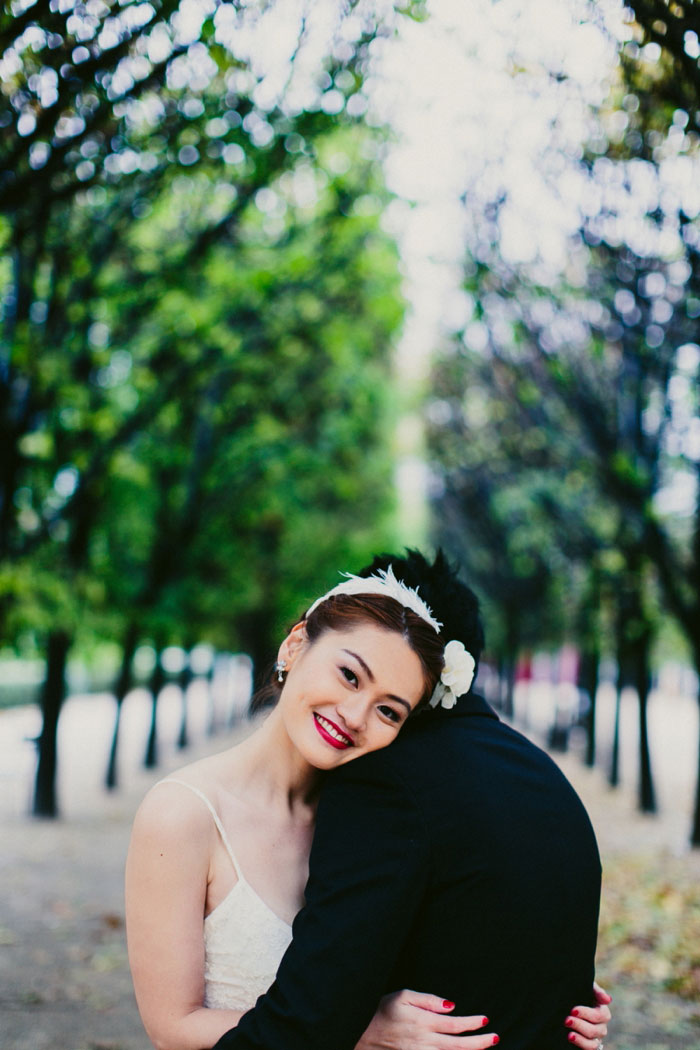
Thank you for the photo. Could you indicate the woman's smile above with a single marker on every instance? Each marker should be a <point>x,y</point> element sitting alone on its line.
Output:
<point>332,733</point>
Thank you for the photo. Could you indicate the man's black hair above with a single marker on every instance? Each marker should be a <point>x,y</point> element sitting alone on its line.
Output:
<point>452,602</point>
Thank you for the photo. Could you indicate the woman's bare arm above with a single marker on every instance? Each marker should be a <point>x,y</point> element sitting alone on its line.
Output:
<point>167,872</point>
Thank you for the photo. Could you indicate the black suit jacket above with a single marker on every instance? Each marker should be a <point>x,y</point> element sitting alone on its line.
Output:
<point>458,861</point>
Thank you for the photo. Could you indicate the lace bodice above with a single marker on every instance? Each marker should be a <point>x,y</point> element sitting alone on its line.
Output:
<point>244,940</point>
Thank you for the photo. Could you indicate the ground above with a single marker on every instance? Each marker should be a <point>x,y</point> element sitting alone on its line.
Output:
<point>64,981</point>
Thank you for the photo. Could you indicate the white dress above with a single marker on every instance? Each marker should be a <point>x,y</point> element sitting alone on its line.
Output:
<point>244,940</point>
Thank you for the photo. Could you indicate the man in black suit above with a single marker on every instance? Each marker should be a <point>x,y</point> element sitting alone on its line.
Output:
<point>457,861</point>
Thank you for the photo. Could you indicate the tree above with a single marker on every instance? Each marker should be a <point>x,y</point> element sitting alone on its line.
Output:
<point>271,472</point>
<point>662,126</point>
<point>607,348</point>
<point>567,375</point>
<point>496,478</point>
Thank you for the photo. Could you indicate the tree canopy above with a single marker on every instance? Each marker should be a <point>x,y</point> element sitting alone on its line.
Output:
<point>199,308</point>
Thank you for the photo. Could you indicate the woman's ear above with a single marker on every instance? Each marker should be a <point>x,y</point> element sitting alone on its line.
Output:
<point>294,644</point>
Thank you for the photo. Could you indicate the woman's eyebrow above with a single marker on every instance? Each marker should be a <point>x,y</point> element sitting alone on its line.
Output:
<point>369,674</point>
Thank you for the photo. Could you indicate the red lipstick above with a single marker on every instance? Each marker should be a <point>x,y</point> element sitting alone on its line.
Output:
<point>340,745</point>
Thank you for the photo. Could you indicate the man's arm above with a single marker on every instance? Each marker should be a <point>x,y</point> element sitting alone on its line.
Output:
<point>368,871</point>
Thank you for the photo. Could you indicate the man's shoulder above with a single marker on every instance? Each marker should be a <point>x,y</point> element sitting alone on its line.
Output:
<point>424,741</point>
<point>413,750</point>
<point>469,741</point>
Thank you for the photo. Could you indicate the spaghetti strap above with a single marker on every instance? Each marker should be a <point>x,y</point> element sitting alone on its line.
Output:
<point>215,817</point>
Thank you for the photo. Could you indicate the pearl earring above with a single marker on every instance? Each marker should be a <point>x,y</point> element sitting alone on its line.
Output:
<point>281,668</point>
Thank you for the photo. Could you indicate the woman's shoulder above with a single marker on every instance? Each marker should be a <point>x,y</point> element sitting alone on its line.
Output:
<point>168,813</point>
<point>184,802</point>
<point>173,838</point>
<point>176,805</point>
<point>204,777</point>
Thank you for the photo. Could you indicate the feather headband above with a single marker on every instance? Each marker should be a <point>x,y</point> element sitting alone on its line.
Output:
<point>383,583</point>
<point>458,671</point>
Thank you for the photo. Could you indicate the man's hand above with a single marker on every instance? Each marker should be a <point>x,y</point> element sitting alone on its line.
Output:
<point>589,1024</point>
<point>415,1021</point>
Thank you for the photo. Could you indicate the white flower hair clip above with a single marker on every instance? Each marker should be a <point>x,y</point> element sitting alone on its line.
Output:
<point>456,678</point>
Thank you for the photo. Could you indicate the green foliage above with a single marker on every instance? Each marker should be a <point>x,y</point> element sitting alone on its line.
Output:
<point>196,330</point>
<point>519,504</point>
<point>664,79</point>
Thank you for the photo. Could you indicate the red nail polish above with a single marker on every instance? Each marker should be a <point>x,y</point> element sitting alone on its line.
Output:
<point>575,1013</point>
<point>496,1039</point>
<point>572,1037</point>
<point>485,1021</point>
<point>447,1005</point>
<point>568,1022</point>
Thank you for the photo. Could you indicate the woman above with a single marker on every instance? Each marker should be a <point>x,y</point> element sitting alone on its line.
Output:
<point>219,853</point>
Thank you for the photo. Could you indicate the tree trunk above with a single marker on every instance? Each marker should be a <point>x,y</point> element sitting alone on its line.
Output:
<point>255,632</point>
<point>588,630</point>
<point>614,774</point>
<point>508,700</point>
<point>212,721</point>
<point>589,680</point>
<point>258,643</point>
<point>695,830</point>
<point>156,684</point>
<point>512,647</point>
<point>184,679</point>
<point>497,700</point>
<point>52,697</point>
<point>647,797</point>
<point>111,776</point>
<point>121,688</point>
<point>558,736</point>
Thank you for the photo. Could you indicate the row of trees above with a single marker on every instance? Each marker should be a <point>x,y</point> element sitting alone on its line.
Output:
<point>566,425</point>
<point>198,308</point>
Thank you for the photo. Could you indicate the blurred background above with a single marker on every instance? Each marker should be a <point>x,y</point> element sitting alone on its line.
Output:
<point>285,284</point>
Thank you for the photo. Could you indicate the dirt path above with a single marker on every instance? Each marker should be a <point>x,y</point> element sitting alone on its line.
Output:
<point>650,917</point>
<point>64,981</point>
<point>64,977</point>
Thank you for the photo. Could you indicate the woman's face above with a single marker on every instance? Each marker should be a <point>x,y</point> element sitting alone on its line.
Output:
<point>348,693</point>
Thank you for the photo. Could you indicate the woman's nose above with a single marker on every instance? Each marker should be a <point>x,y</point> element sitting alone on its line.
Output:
<point>353,712</point>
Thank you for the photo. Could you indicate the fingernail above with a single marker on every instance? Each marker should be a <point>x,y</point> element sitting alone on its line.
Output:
<point>568,1022</point>
<point>485,1021</point>
<point>447,1005</point>
<point>572,1037</point>
<point>496,1039</point>
<point>575,1013</point>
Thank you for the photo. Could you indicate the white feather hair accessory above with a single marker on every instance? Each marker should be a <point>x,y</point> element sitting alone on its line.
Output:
<point>384,582</point>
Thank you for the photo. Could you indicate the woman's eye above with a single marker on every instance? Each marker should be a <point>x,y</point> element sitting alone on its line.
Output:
<point>349,675</point>
<point>390,713</point>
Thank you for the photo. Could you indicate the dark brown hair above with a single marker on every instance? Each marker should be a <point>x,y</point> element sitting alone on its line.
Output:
<point>344,612</point>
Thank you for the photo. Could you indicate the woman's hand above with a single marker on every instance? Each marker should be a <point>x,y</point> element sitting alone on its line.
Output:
<point>589,1024</point>
<point>413,1021</point>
